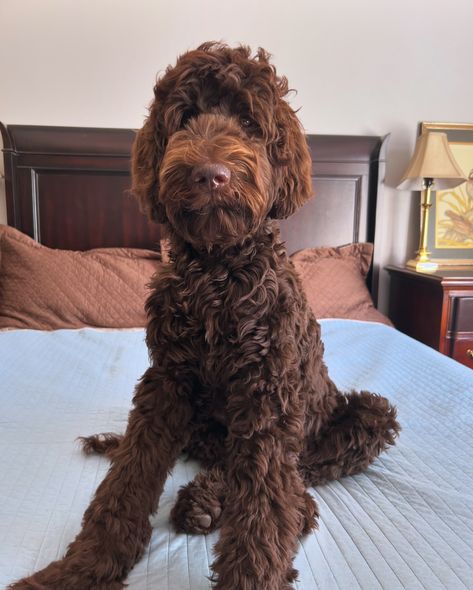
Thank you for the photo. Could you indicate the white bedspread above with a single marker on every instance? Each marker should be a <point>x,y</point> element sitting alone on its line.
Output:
<point>405,523</point>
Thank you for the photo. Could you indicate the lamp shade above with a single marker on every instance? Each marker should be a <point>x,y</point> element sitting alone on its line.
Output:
<point>432,158</point>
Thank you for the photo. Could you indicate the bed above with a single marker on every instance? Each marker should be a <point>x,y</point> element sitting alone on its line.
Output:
<point>404,523</point>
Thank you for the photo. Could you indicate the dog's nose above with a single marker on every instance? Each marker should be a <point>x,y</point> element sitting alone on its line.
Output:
<point>208,176</point>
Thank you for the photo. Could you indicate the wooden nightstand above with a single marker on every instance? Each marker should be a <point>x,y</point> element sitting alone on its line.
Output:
<point>436,309</point>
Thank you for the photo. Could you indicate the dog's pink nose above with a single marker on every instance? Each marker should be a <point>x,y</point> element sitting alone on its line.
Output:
<point>208,176</point>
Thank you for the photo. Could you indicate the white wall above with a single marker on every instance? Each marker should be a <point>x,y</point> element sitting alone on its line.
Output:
<point>364,66</point>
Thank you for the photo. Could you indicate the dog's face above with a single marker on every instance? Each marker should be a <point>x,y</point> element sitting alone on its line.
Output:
<point>221,149</point>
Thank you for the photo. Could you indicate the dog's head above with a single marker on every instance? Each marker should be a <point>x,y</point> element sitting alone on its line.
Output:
<point>221,149</point>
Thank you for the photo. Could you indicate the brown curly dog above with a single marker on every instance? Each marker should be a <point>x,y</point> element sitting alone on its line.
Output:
<point>237,376</point>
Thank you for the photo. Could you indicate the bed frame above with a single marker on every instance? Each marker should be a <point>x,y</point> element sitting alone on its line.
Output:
<point>67,187</point>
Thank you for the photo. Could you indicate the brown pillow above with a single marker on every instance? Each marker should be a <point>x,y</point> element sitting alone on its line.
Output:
<point>334,282</point>
<point>46,289</point>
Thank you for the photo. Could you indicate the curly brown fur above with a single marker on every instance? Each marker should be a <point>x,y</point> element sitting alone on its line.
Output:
<point>100,444</point>
<point>237,377</point>
<point>361,427</point>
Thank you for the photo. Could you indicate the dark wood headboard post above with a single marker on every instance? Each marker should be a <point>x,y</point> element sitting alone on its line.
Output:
<point>378,175</point>
<point>9,172</point>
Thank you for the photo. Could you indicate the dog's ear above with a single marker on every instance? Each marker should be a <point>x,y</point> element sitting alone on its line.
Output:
<point>293,164</point>
<point>146,155</point>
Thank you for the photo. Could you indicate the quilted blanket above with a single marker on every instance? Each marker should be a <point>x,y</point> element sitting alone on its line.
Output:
<point>407,522</point>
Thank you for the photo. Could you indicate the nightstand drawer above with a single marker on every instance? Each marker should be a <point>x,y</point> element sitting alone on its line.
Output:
<point>462,351</point>
<point>435,308</point>
<point>461,319</point>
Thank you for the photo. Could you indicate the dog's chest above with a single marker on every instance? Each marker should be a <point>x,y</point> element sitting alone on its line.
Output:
<point>229,315</point>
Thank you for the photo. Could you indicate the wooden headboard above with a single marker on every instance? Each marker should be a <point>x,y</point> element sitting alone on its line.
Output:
<point>67,188</point>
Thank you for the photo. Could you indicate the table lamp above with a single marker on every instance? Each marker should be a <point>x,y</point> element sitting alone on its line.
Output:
<point>432,165</point>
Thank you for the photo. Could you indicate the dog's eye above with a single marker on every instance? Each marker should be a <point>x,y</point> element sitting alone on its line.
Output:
<point>246,122</point>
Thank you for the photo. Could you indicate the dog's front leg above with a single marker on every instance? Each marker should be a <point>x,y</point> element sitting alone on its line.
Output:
<point>265,509</point>
<point>116,527</point>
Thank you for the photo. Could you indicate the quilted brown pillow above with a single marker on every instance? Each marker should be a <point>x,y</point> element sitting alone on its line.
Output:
<point>334,282</point>
<point>46,289</point>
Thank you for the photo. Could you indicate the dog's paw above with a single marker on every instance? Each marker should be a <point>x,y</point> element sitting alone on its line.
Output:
<point>22,585</point>
<point>197,520</point>
<point>61,575</point>
<point>197,511</point>
<point>40,582</point>
<point>242,579</point>
<point>377,417</point>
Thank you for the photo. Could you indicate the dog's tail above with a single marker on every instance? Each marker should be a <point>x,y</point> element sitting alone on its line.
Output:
<point>104,443</point>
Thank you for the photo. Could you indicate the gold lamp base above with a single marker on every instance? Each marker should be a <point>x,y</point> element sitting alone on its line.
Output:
<point>422,265</point>
<point>422,262</point>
